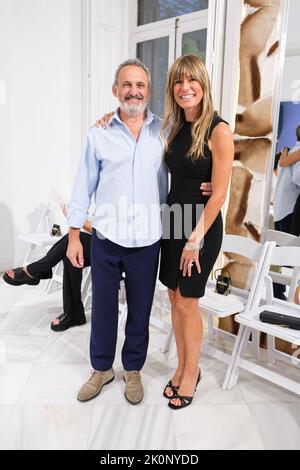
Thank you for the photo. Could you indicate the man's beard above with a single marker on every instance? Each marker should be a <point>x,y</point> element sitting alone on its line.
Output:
<point>133,109</point>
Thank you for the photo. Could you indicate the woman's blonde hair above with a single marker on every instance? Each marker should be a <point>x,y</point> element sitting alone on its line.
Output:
<point>187,66</point>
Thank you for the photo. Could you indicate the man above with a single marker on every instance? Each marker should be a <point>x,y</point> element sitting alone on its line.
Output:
<point>124,169</point>
<point>287,191</point>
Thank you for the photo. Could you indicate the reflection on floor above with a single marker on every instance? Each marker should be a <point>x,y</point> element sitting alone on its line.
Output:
<point>41,372</point>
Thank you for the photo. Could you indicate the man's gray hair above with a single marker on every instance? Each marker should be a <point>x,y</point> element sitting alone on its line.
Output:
<point>135,62</point>
<point>298,132</point>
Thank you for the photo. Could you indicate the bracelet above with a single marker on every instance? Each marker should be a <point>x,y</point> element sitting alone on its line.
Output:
<point>192,246</point>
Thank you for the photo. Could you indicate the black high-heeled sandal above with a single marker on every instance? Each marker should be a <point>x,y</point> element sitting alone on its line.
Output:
<point>184,400</point>
<point>20,278</point>
<point>174,389</point>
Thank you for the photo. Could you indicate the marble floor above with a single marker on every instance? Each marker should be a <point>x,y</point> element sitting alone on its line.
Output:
<point>41,372</point>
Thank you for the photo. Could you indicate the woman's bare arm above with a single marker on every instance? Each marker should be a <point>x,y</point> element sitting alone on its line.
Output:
<point>222,149</point>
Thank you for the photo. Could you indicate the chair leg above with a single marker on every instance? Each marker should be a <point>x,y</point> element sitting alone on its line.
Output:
<point>86,288</point>
<point>28,255</point>
<point>122,315</point>
<point>168,342</point>
<point>240,351</point>
<point>235,353</point>
<point>172,350</point>
<point>232,358</point>
<point>210,327</point>
<point>49,286</point>
<point>255,341</point>
<point>271,349</point>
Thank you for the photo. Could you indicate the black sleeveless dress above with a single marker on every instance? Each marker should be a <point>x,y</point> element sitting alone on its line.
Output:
<point>184,206</point>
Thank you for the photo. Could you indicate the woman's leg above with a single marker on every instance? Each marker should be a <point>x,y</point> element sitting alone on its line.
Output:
<point>180,345</point>
<point>191,332</point>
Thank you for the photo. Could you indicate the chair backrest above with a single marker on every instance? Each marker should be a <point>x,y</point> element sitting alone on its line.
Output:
<point>285,256</point>
<point>285,240</point>
<point>242,246</point>
<point>44,222</point>
<point>257,253</point>
<point>282,238</point>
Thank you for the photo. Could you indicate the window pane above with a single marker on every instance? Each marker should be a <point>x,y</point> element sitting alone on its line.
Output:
<point>150,11</point>
<point>195,43</point>
<point>155,54</point>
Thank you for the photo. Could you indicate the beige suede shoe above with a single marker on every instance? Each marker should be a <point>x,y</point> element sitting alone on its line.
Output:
<point>94,385</point>
<point>134,392</point>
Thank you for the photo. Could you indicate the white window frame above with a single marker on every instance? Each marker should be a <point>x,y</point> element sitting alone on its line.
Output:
<point>166,28</point>
<point>189,23</point>
<point>211,19</point>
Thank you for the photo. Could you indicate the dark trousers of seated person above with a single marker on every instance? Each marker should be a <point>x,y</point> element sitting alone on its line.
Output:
<point>283,225</point>
<point>72,277</point>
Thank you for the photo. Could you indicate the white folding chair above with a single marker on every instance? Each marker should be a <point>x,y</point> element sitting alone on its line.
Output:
<point>250,320</point>
<point>41,238</point>
<point>288,276</point>
<point>220,306</point>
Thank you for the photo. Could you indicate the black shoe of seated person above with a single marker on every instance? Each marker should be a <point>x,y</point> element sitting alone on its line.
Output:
<point>65,322</point>
<point>20,278</point>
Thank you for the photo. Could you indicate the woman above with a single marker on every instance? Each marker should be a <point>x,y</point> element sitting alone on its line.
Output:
<point>199,147</point>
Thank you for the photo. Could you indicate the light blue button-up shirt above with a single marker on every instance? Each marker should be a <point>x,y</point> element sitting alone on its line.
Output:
<point>128,180</point>
<point>287,188</point>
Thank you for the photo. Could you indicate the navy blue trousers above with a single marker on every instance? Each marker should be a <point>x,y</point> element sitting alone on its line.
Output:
<point>108,262</point>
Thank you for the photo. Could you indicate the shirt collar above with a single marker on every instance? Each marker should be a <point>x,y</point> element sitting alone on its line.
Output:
<point>150,117</point>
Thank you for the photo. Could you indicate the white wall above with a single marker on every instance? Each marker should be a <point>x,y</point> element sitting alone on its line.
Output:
<point>40,122</point>
<point>109,47</point>
<point>292,60</point>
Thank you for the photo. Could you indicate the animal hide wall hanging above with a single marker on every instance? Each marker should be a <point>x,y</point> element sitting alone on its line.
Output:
<point>259,55</point>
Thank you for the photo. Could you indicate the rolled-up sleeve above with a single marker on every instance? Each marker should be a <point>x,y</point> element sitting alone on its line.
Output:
<point>86,182</point>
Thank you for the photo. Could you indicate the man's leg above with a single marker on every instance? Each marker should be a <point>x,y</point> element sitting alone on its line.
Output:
<point>140,278</point>
<point>106,267</point>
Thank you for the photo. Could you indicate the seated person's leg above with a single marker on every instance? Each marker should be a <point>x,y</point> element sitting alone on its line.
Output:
<point>73,314</point>
<point>42,269</point>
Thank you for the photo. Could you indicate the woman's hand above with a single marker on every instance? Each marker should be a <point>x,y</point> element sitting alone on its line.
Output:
<point>189,257</point>
<point>104,120</point>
